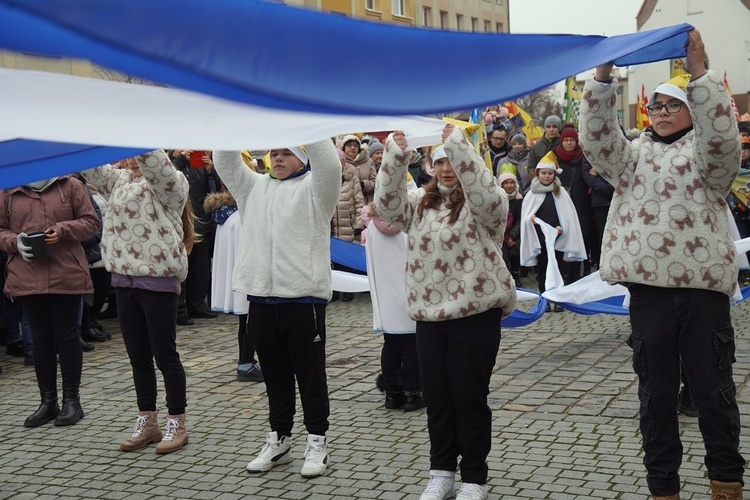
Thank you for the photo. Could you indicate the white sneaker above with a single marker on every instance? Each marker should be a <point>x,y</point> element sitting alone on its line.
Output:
<point>316,456</point>
<point>472,491</point>
<point>275,452</point>
<point>440,487</point>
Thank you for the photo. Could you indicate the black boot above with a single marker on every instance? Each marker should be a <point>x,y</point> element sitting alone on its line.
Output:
<point>92,335</point>
<point>71,411</point>
<point>85,346</point>
<point>394,396</point>
<point>413,399</point>
<point>517,278</point>
<point>47,411</point>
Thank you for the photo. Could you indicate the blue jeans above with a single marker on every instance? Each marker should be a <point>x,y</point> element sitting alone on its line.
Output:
<point>669,325</point>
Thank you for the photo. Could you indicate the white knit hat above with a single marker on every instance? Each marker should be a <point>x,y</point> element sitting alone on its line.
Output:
<point>300,153</point>
<point>438,153</point>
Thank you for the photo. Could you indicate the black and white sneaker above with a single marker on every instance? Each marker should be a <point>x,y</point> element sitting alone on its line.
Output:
<point>316,456</point>
<point>275,452</point>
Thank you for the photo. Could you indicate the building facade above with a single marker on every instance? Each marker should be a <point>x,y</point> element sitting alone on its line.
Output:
<point>478,16</point>
<point>725,29</point>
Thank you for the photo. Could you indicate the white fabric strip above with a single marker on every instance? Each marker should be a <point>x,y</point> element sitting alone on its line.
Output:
<point>71,109</point>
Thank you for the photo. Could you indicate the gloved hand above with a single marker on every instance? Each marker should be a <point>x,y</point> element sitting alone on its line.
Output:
<point>24,249</point>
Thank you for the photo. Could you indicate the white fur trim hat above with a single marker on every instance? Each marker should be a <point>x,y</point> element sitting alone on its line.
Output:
<point>673,88</point>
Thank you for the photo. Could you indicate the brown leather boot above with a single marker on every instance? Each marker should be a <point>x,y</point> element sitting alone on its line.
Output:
<point>726,491</point>
<point>146,431</point>
<point>676,496</point>
<point>176,436</point>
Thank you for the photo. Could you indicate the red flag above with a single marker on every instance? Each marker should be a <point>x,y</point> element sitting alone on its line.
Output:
<point>642,119</point>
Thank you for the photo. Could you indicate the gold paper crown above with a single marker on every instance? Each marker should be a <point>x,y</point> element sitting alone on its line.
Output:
<point>549,161</point>
<point>680,81</point>
<point>468,127</point>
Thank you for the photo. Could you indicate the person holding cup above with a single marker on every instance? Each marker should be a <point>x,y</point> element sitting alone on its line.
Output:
<point>42,225</point>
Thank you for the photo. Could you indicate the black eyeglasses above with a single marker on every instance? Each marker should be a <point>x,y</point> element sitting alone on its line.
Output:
<point>672,108</point>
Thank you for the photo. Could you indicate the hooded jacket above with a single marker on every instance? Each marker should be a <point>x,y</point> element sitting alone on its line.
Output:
<point>366,173</point>
<point>63,206</point>
<point>346,220</point>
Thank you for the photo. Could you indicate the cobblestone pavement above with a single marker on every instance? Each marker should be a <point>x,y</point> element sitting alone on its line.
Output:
<point>563,394</point>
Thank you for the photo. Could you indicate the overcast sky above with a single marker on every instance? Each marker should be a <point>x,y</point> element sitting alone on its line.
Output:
<point>581,17</point>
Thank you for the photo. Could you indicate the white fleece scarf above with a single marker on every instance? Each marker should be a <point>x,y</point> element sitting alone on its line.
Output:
<point>570,241</point>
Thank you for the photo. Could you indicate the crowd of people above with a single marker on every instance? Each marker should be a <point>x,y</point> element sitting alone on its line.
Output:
<point>169,237</point>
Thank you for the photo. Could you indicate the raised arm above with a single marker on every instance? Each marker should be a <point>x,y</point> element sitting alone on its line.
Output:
<point>168,184</point>
<point>102,179</point>
<point>236,176</point>
<point>602,139</point>
<point>717,141</point>
<point>392,200</point>
<point>326,173</point>
<point>484,197</point>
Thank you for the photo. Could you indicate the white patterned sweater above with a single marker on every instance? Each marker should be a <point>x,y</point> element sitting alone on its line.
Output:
<point>452,270</point>
<point>142,229</point>
<point>667,224</point>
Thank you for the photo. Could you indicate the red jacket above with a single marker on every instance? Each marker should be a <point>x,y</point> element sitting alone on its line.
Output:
<point>65,207</point>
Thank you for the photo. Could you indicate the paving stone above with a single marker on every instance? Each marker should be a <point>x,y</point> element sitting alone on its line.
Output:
<point>563,395</point>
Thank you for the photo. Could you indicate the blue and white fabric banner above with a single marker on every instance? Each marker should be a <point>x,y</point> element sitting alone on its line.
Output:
<point>238,55</point>
<point>352,256</point>
<point>272,55</point>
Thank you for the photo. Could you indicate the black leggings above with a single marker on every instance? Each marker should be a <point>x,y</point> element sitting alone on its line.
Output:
<point>148,321</point>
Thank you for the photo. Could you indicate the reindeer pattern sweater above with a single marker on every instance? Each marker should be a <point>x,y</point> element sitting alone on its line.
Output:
<point>452,270</point>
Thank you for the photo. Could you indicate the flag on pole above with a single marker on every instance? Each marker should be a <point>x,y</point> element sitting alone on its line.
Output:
<point>731,99</point>
<point>642,119</point>
<point>475,131</point>
<point>531,130</point>
<point>572,101</point>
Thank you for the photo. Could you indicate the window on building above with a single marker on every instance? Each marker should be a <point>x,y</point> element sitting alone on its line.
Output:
<point>443,20</point>
<point>474,24</point>
<point>499,27</point>
<point>459,22</point>
<point>370,4</point>
<point>398,7</point>
<point>426,16</point>
<point>499,2</point>
<point>487,26</point>
<point>694,6</point>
